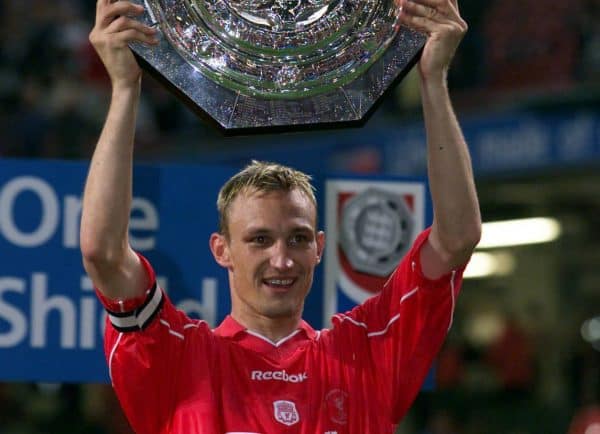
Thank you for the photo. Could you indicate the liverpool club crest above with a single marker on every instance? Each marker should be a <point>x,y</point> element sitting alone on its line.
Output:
<point>285,412</point>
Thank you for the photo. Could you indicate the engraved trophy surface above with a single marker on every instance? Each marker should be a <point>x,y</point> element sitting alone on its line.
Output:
<point>279,63</point>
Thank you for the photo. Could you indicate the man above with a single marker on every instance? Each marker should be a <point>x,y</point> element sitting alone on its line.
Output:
<point>264,370</point>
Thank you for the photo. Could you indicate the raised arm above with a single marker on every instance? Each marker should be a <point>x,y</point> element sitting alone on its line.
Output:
<point>112,265</point>
<point>456,225</point>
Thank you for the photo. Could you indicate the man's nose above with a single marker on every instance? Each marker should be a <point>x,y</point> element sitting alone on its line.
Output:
<point>280,257</point>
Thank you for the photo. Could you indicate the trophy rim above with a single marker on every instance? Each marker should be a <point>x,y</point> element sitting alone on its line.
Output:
<point>251,130</point>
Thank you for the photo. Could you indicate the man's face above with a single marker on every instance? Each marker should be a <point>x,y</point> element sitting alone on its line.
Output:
<point>271,253</point>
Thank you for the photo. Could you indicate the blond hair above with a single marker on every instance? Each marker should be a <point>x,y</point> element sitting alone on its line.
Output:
<point>265,177</point>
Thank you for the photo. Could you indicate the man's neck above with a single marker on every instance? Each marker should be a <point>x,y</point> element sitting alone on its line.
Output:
<point>273,329</point>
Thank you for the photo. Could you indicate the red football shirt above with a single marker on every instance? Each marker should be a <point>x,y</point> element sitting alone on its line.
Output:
<point>175,375</point>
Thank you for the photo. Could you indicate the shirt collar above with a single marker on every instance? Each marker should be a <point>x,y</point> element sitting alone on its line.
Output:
<point>231,328</point>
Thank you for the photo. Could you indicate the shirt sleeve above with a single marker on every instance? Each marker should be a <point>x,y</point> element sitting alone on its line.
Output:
<point>144,345</point>
<point>403,328</point>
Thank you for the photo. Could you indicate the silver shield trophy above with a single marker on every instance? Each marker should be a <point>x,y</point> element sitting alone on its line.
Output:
<point>279,63</point>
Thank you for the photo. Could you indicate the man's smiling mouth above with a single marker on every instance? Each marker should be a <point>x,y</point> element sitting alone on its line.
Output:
<point>279,283</point>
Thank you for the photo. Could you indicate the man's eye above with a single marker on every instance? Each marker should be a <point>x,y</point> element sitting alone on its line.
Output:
<point>299,239</point>
<point>259,239</point>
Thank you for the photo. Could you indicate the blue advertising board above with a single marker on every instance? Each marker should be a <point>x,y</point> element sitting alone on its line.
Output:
<point>513,142</point>
<point>51,324</point>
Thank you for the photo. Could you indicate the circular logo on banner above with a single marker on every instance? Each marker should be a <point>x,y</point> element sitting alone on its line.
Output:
<point>375,231</point>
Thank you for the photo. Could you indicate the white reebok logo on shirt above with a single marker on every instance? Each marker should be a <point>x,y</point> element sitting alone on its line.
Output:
<point>278,376</point>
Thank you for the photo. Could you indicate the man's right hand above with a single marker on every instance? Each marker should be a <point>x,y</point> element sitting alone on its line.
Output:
<point>113,31</point>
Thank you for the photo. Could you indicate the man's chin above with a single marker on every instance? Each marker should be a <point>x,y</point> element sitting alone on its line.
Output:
<point>279,310</point>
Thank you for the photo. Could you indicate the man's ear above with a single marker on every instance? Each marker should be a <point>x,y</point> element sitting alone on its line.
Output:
<point>220,249</point>
<point>320,245</point>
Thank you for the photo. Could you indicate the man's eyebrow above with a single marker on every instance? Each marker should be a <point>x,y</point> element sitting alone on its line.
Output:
<point>303,228</point>
<point>264,230</point>
<point>257,230</point>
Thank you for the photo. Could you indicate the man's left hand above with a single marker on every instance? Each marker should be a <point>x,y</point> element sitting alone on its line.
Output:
<point>440,20</point>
